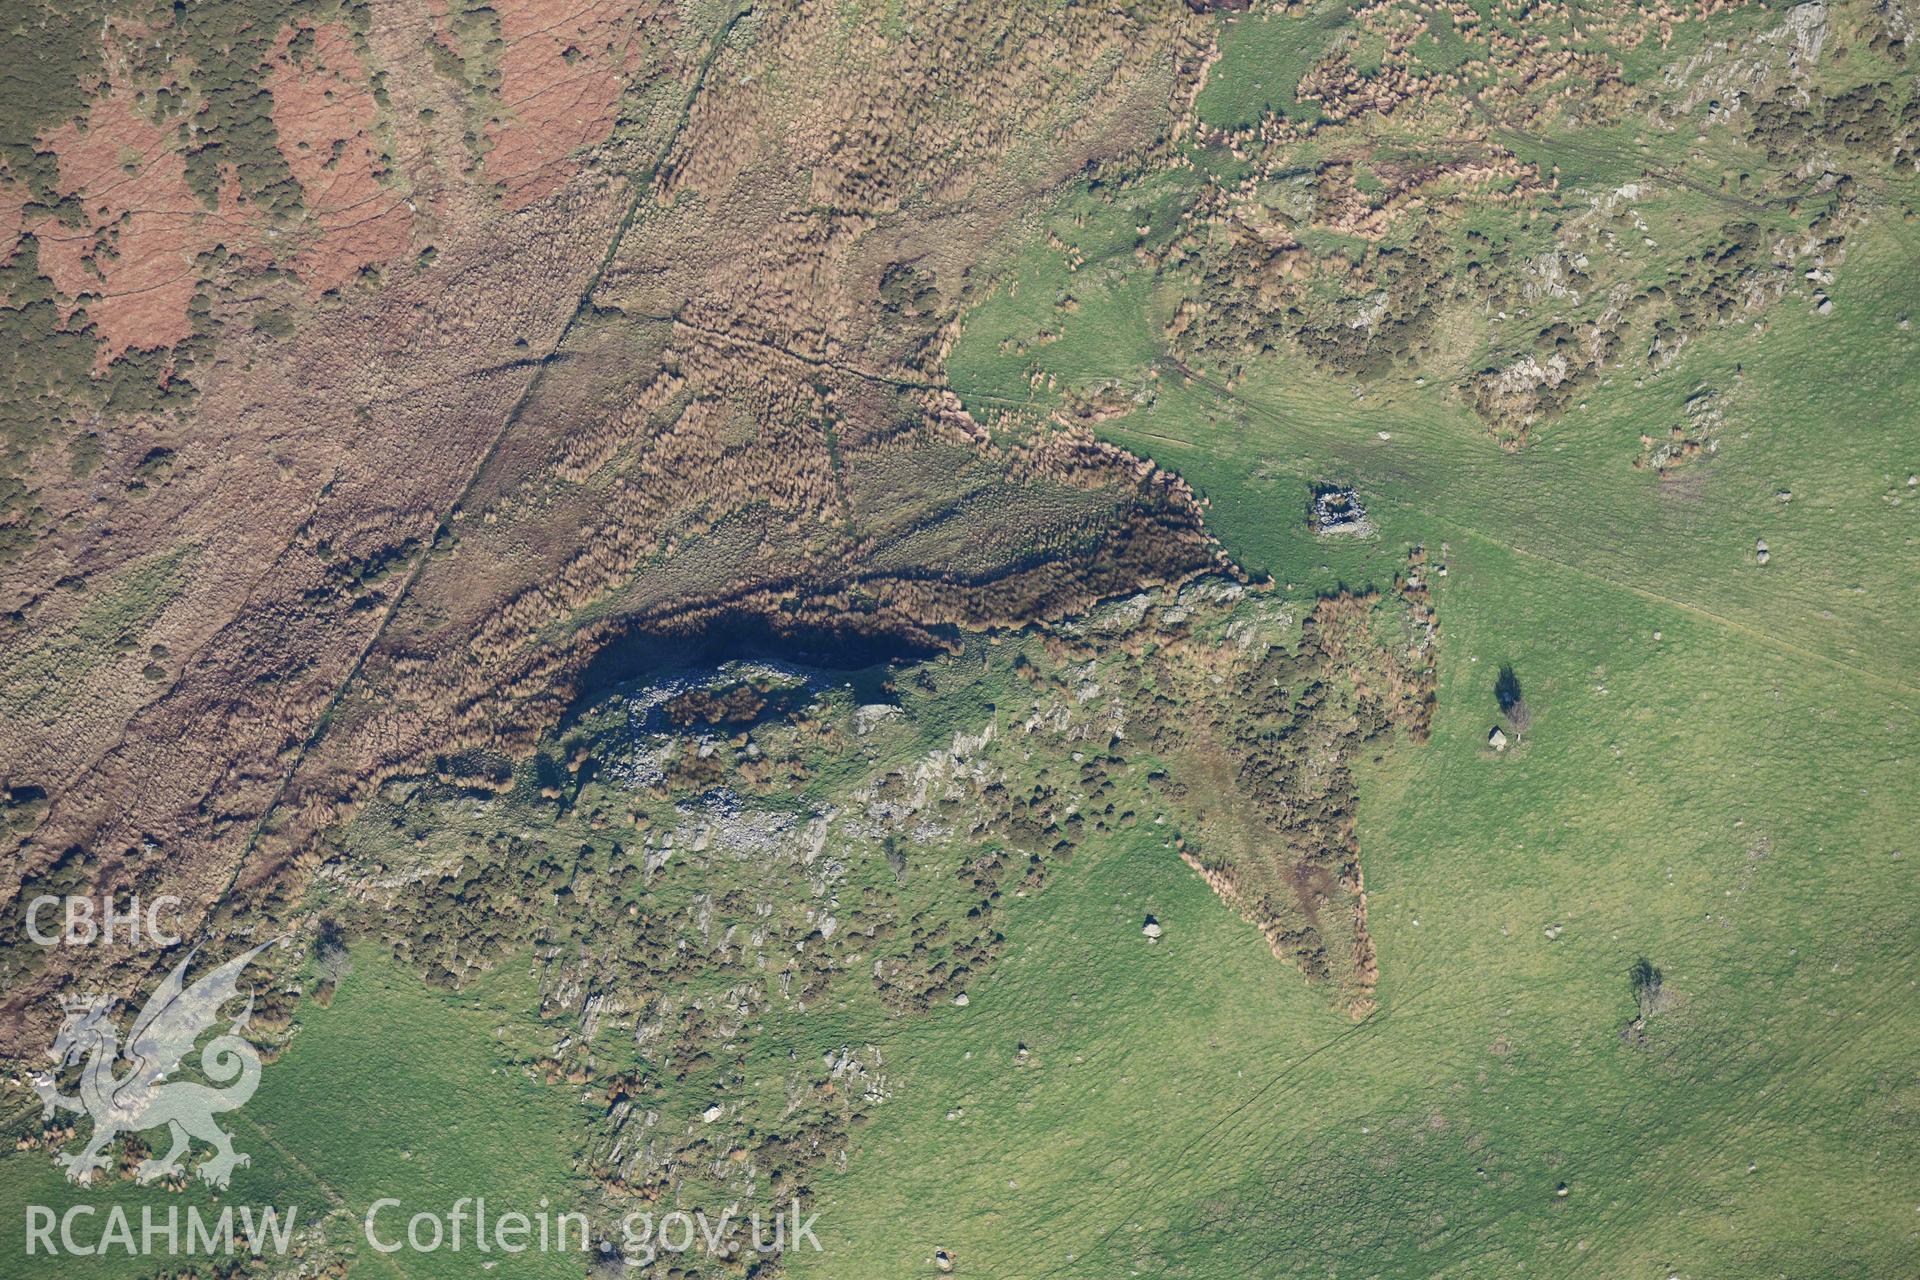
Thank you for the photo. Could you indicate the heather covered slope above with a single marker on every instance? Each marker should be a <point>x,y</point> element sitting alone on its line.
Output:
<point>348,525</point>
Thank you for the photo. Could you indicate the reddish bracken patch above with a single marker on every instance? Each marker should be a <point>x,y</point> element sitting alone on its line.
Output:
<point>133,258</point>
<point>561,77</point>
<point>325,116</point>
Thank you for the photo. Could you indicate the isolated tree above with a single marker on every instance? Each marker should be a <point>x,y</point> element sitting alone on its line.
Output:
<point>330,962</point>
<point>1520,718</point>
<point>1646,986</point>
<point>1513,704</point>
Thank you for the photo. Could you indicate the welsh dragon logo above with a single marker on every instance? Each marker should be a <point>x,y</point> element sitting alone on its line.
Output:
<point>141,1096</point>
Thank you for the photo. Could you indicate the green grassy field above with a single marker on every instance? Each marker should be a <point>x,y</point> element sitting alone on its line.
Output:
<point>1718,779</point>
<point>1266,55</point>
<point>1196,1110</point>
